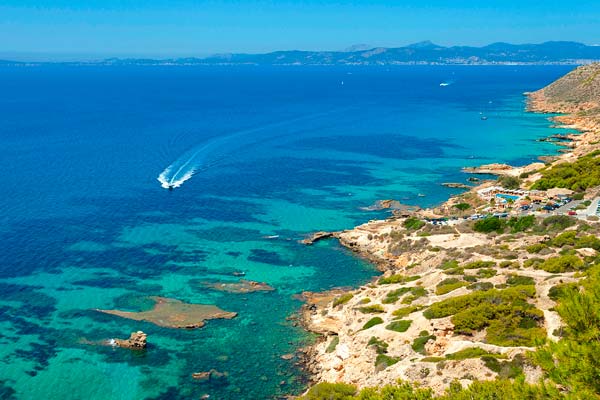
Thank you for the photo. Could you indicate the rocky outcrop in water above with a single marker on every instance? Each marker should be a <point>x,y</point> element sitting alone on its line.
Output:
<point>172,313</point>
<point>136,341</point>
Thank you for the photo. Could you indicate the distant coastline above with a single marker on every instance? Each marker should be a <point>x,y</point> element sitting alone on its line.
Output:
<point>423,53</point>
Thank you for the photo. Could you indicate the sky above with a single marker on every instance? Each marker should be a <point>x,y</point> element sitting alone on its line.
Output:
<point>176,28</point>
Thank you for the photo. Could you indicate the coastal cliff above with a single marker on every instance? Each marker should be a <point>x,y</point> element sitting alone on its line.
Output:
<point>470,298</point>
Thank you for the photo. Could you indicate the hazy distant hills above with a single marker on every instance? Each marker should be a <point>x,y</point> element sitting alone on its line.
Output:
<point>418,53</point>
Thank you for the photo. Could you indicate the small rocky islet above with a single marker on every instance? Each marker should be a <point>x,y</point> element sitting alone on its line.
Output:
<point>172,313</point>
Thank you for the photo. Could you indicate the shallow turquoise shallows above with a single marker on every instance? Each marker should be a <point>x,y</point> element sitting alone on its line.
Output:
<point>256,158</point>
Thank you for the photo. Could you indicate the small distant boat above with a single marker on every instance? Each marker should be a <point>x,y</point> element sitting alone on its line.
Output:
<point>444,84</point>
<point>271,237</point>
<point>421,195</point>
<point>483,118</point>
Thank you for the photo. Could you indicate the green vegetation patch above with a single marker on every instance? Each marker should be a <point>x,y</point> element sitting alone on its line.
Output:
<point>398,278</point>
<point>536,248</point>
<point>579,175</point>
<point>472,352</point>
<point>333,344</point>
<point>372,309</point>
<point>486,272</point>
<point>462,206</point>
<point>383,361</point>
<point>505,369</point>
<point>448,285</point>
<point>557,222</point>
<point>343,299</point>
<point>510,320</point>
<point>372,322</point>
<point>413,223</point>
<point>481,286</point>
<point>404,311</point>
<point>563,263</point>
<point>394,295</point>
<point>518,280</point>
<point>415,293</point>
<point>399,325</point>
<point>418,344</point>
<point>379,345</point>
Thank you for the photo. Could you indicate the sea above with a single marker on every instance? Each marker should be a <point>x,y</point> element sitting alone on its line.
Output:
<point>120,183</point>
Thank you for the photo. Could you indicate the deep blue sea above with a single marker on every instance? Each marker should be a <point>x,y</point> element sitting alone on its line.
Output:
<point>258,156</point>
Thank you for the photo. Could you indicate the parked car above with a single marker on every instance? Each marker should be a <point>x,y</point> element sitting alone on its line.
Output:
<point>572,212</point>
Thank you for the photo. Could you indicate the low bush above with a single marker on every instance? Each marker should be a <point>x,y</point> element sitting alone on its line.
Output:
<point>563,263</point>
<point>398,278</point>
<point>418,344</point>
<point>372,322</point>
<point>509,318</point>
<point>333,344</point>
<point>372,309</point>
<point>488,225</point>
<point>394,295</point>
<point>343,299</point>
<point>399,326</point>
<point>448,285</point>
<point>413,223</point>
<point>518,280</point>
<point>404,311</point>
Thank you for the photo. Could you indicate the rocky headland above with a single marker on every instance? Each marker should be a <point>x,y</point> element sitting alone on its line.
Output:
<point>464,300</point>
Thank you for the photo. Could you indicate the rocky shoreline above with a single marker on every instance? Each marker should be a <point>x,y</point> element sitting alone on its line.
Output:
<point>411,346</point>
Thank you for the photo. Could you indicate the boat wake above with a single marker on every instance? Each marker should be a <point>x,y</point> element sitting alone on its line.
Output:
<point>210,152</point>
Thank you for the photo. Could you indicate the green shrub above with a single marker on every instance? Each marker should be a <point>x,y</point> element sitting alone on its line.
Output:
<point>578,176</point>
<point>398,278</point>
<point>486,272</point>
<point>448,285</point>
<point>505,369</point>
<point>509,182</point>
<point>372,322</point>
<point>343,299</point>
<point>418,344</point>
<point>450,264</point>
<point>404,311</point>
<point>470,278</point>
<point>489,224</point>
<point>563,263</point>
<point>462,206</point>
<point>507,315</point>
<point>333,344</point>
<point>517,280</point>
<point>372,309</point>
<point>472,352</point>
<point>413,223</point>
<point>415,293</point>
<point>578,196</point>
<point>481,286</point>
<point>589,241</point>
<point>380,346</point>
<point>399,326</point>
<point>394,295</point>
<point>479,264</point>
<point>432,359</point>
<point>383,361</point>
<point>564,239</point>
<point>520,224</point>
<point>331,391</point>
<point>558,222</point>
<point>535,248</point>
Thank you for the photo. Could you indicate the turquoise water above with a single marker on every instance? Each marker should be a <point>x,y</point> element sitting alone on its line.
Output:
<point>507,196</point>
<point>258,158</point>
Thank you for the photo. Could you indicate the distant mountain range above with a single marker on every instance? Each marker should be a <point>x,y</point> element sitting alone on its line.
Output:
<point>418,53</point>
